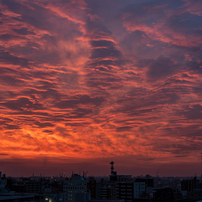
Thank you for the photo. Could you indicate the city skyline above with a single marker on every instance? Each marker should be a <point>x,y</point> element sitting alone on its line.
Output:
<point>85,82</point>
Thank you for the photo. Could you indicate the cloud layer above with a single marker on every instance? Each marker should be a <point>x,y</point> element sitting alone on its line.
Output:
<point>88,80</point>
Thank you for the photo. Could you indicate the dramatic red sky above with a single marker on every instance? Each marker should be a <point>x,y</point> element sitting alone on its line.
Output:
<point>84,82</point>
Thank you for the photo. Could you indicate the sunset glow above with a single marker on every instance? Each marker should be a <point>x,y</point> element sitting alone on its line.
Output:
<point>85,82</point>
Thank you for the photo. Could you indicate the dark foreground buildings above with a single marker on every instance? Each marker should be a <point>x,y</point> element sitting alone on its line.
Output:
<point>115,188</point>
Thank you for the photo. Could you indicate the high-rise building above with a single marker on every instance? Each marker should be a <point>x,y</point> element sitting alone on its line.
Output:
<point>139,189</point>
<point>91,185</point>
<point>189,185</point>
<point>124,190</point>
<point>75,185</point>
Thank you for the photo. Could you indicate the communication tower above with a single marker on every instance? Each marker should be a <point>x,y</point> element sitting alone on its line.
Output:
<point>112,167</point>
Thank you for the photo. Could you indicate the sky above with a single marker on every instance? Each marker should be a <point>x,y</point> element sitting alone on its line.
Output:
<point>85,82</point>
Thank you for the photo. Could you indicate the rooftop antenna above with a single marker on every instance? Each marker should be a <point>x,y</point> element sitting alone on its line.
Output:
<point>112,167</point>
